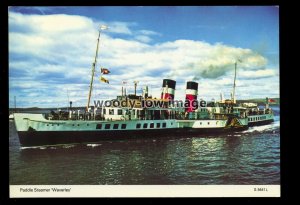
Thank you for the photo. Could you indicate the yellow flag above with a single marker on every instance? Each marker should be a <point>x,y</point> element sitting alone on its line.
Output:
<point>104,80</point>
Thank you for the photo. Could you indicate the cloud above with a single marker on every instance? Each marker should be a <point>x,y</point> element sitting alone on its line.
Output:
<point>258,73</point>
<point>119,27</point>
<point>145,39</point>
<point>148,32</point>
<point>49,54</point>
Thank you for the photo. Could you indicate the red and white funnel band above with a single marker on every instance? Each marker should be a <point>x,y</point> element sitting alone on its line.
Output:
<point>191,92</point>
<point>189,99</point>
<point>167,96</point>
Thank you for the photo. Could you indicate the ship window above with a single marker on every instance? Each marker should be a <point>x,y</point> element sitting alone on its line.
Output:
<point>123,126</point>
<point>52,124</point>
<point>107,126</point>
<point>157,125</point>
<point>87,125</point>
<point>133,112</point>
<point>111,111</point>
<point>138,125</point>
<point>99,126</point>
<point>164,124</point>
<point>47,125</point>
<point>104,111</point>
<point>119,112</point>
<point>145,125</point>
<point>151,125</point>
<point>208,123</point>
<point>116,126</point>
<point>200,123</point>
<point>57,124</point>
<point>73,125</point>
<point>77,124</point>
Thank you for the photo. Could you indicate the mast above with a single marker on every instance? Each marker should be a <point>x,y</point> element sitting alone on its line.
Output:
<point>93,66</point>
<point>135,84</point>
<point>233,93</point>
<point>15,104</point>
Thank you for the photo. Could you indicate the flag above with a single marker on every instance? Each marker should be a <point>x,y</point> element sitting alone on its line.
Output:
<point>105,71</point>
<point>103,27</point>
<point>104,80</point>
<point>272,100</point>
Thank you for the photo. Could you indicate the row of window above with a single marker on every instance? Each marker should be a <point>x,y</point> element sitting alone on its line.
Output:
<point>208,123</point>
<point>107,126</point>
<point>138,126</point>
<point>119,112</point>
<point>252,119</point>
<point>72,124</point>
<point>145,125</point>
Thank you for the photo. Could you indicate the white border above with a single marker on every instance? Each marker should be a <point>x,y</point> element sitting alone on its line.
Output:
<point>25,191</point>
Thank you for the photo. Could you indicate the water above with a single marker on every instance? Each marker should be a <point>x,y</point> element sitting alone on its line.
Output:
<point>249,157</point>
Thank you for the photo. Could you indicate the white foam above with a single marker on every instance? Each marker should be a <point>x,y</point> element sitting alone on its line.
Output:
<point>68,146</point>
<point>37,147</point>
<point>270,127</point>
<point>93,145</point>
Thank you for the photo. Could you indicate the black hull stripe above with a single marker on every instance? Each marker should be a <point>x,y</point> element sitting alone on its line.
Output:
<point>265,122</point>
<point>33,138</point>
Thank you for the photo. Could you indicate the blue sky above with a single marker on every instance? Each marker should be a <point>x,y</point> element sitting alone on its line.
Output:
<point>51,50</point>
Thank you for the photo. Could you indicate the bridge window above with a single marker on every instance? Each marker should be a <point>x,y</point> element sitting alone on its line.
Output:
<point>119,111</point>
<point>107,126</point>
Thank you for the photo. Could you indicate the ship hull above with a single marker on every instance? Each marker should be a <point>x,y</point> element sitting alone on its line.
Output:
<point>34,138</point>
<point>35,130</point>
<point>44,138</point>
<point>259,123</point>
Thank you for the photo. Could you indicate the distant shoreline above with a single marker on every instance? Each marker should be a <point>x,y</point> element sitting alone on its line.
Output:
<point>260,101</point>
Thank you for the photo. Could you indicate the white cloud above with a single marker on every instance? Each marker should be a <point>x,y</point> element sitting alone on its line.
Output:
<point>258,73</point>
<point>60,49</point>
<point>120,27</point>
<point>145,39</point>
<point>148,32</point>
